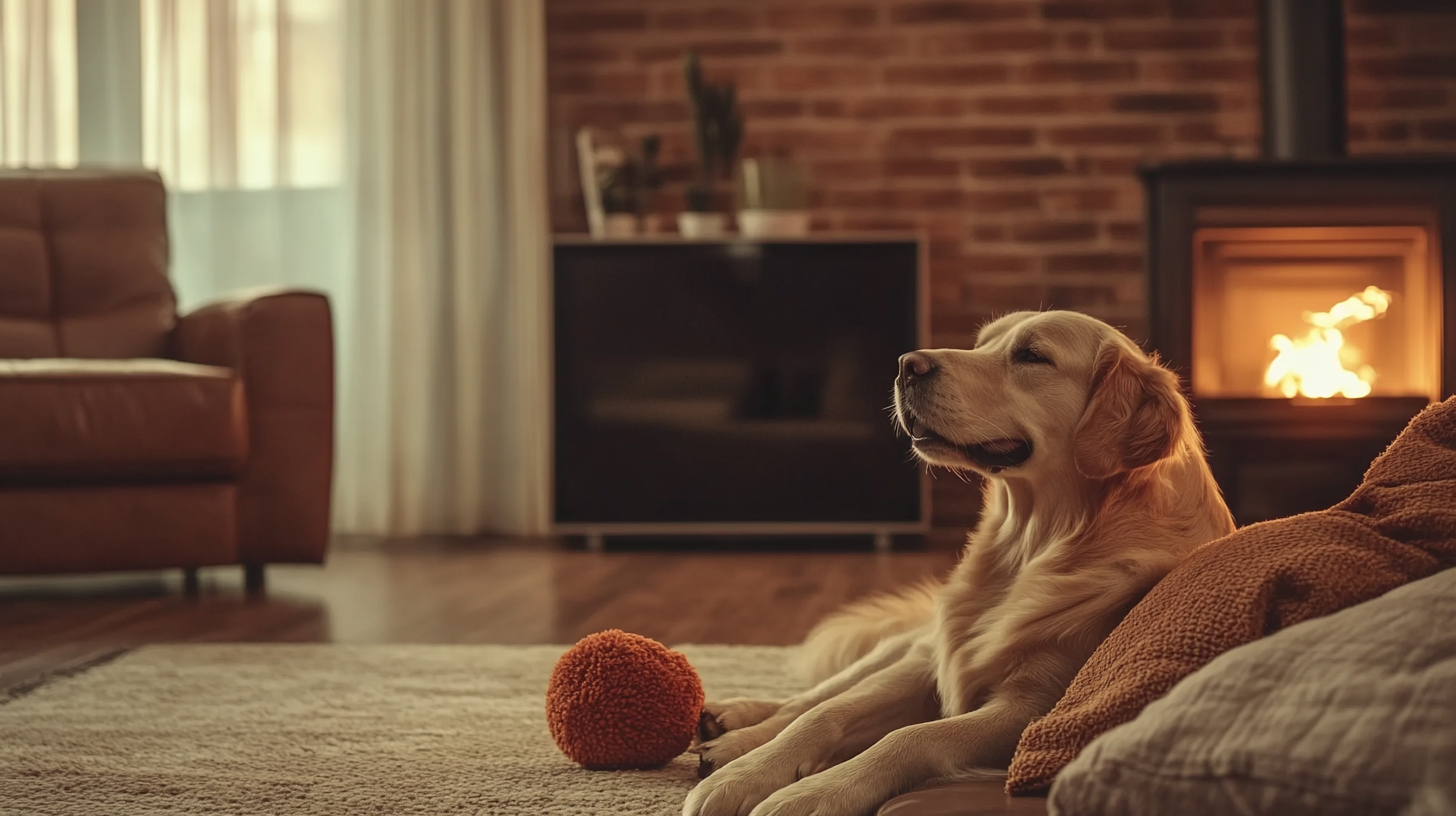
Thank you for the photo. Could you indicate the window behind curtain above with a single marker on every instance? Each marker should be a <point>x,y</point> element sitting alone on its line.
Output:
<point>243,94</point>
<point>236,94</point>
<point>37,83</point>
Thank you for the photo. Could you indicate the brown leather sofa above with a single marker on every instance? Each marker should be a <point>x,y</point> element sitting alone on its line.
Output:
<point>134,438</point>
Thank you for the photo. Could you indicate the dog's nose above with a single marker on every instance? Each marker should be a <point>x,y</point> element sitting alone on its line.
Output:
<point>915,366</point>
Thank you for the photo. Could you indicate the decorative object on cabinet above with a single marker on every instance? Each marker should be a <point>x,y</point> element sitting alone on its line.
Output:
<point>773,198</point>
<point>717,134</point>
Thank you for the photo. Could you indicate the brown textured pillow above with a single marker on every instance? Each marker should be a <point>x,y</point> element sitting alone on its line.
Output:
<point>1397,527</point>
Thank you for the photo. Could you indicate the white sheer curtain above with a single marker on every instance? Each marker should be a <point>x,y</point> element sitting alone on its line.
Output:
<point>391,153</point>
<point>448,410</point>
<point>244,94</point>
<point>242,111</point>
<point>37,83</point>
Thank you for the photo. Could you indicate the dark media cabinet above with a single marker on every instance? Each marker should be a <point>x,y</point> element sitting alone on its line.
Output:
<point>734,387</point>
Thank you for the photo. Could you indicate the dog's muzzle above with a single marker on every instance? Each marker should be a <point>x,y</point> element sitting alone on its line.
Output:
<point>993,455</point>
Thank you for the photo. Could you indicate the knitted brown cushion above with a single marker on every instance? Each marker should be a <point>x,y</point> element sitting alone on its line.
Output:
<point>1397,527</point>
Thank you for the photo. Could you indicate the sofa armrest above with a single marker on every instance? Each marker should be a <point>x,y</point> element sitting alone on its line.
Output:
<point>280,343</point>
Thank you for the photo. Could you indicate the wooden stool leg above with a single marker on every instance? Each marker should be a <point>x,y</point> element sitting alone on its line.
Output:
<point>253,579</point>
<point>191,582</point>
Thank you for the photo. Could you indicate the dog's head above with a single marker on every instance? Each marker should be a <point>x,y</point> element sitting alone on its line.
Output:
<point>1041,391</point>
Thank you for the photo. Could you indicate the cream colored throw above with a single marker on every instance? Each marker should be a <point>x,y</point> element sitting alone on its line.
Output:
<point>329,729</point>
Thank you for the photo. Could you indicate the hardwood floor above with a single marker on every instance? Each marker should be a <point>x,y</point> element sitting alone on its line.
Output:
<point>484,590</point>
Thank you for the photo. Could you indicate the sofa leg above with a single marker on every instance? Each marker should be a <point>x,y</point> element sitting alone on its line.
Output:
<point>253,579</point>
<point>191,582</point>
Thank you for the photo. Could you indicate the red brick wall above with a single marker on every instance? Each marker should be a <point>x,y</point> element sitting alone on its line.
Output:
<point>1007,130</point>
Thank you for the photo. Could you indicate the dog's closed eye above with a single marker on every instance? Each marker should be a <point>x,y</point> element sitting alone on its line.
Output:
<point>1030,355</point>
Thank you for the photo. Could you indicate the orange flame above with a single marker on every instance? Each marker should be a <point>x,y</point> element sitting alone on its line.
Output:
<point>1310,366</point>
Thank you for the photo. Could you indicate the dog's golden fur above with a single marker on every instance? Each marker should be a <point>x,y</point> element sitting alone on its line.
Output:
<point>1095,486</point>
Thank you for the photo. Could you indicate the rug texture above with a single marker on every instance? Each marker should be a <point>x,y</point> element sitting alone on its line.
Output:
<point>330,729</point>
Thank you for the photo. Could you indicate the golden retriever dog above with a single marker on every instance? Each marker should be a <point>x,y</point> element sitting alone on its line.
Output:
<point>1096,485</point>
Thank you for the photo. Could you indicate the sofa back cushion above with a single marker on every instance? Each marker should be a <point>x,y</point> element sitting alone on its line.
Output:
<point>83,265</point>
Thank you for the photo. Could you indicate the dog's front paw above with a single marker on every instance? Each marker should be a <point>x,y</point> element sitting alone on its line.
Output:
<point>716,753</point>
<point>737,789</point>
<point>718,718</point>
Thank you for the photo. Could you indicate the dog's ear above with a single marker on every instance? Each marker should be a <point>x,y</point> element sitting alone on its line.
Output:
<point>1135,417</point>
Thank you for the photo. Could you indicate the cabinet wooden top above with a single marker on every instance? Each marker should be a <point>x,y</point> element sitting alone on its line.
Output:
<point>812,238</point>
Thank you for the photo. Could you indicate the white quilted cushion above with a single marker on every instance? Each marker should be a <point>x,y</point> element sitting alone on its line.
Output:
<point>1354,713</point>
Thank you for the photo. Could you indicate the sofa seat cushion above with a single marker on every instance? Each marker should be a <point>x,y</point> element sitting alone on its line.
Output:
<point>72,420</point>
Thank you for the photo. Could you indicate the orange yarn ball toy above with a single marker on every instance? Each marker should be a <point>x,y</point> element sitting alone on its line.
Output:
<point>618,701</point>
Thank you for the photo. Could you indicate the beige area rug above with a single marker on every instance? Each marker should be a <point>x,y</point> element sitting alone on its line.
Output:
<point>329,729</point>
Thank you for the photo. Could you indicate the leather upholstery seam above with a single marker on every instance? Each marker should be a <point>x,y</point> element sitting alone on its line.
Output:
<point>52,273</point>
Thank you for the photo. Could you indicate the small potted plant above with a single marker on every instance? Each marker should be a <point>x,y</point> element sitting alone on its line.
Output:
<point>619,200</point>
<point>649,180</point>
<point>628,184</point>
<point>717,133</point>
<point>773,199</point>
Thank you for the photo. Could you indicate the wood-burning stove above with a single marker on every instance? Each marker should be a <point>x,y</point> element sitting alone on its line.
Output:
<point>1307,298</point>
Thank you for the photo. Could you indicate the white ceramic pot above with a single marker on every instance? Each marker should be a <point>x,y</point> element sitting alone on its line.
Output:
<point>773,223</point>
<point>702,225</point>
<point>619,225</point>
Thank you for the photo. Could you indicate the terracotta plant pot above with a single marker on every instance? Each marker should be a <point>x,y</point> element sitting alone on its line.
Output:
<point>702,224</point>
<point>619,225</point>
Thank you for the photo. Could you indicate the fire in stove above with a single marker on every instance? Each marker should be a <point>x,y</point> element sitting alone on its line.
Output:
<point>1314,365</point>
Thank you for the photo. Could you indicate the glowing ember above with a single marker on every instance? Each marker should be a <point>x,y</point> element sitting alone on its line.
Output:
<point>1310,366</point>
